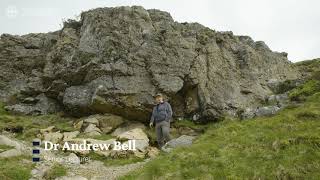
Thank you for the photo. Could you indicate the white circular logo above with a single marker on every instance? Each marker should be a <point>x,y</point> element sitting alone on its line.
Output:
<point>12,11</point>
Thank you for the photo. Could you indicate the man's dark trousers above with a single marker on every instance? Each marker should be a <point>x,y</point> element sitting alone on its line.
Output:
<point>162,131</point>
<point>161,116</point>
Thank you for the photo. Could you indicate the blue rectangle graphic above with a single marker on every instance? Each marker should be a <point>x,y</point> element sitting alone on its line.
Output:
<point>35,159</point>
<point>35,143</point>
<point>35,151</point>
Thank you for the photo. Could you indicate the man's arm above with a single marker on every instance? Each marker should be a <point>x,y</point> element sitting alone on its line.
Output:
<point>169,109</point>
<point>152,116</point>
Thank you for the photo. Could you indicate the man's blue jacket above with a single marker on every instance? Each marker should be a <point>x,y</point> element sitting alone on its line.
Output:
<point>161,112</point>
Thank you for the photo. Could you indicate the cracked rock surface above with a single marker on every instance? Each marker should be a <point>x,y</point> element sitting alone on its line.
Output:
<point>115,59</point>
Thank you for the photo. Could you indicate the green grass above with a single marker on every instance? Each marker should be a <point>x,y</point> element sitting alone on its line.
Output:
<point>311,71</point>
<point>285,146</point>
<point>308,66</point>
<point>309,88</point>
<point>57,170</point>
<point>15,168</point>
<point>189,123</point>
<point>2,111</point>
<point>108,161</point>
<point>30,125</point>
<point>5,147</point>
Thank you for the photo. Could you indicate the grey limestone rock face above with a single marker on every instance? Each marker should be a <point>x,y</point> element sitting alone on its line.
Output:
<point>115,59</point>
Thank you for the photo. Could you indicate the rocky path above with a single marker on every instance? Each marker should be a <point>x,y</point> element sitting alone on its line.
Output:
<point>91,170</point>
<point>96,170</point>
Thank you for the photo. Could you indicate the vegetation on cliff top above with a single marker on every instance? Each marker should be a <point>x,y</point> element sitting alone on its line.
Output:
<point>310,67</point>
<point>311,71</point>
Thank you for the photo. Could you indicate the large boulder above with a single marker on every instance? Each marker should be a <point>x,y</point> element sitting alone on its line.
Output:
<point>68,136</point>
<point>9,142</point>
<point>267,110</point>
<point>35,106</point>
<point>53,137</point>
<point>182,141</point>
<point>261,111</point>
<point>141,139</point>
<point>92,130</point>
<point>109,122</point>
<point>105,122</point>
<point>92,120</point>
<point>77,99</point>
<point>115,59</point>
<point>128,127</point>
<point>136,134</point>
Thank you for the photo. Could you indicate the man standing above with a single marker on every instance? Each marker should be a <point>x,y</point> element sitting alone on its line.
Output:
<point>161,117</point>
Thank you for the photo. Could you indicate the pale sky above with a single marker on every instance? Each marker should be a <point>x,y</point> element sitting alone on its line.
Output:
<point>292,26</point>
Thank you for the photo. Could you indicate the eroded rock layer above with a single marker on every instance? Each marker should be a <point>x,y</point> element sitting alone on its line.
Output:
<point>115,59</point>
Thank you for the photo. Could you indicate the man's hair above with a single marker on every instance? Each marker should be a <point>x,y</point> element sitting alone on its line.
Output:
<point>158,95</point>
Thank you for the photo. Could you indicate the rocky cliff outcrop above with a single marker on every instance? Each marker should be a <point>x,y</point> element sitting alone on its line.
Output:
<point>115,59</point>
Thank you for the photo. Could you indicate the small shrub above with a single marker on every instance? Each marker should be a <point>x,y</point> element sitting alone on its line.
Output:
<point>70,23</point>
<point>285,86</point>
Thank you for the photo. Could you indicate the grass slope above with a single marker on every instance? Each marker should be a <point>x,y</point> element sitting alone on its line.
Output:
<point>285,146</point>
<point>15,169</point>
<point>27,127</point>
